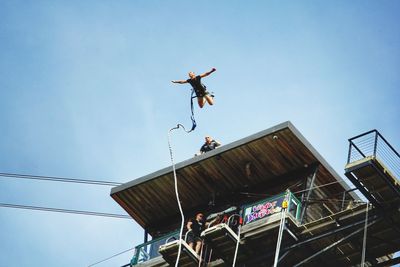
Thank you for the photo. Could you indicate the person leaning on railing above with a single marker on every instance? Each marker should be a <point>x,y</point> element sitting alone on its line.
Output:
<point>209,144</point>
<point>195,226</point>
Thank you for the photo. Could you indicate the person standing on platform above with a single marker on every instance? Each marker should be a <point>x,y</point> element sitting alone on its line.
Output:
<point>195,226</point>
<point>209,145</point>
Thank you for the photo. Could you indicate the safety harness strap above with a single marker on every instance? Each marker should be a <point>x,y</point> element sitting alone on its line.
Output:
<point>193,95</point>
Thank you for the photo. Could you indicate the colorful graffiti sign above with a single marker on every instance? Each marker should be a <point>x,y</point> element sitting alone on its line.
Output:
<point>262,210</point>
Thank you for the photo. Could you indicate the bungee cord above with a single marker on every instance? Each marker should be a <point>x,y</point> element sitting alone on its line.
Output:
<point>176,189</point>
<point>194,124</point>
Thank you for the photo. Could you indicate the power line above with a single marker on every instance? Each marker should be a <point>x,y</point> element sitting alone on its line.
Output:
<point>80,212</point>
<point>113,256</point>
<point>57,179</point>
<point>315,187</point>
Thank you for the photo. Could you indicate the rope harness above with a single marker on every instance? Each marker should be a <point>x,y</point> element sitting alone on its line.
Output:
<point>195,94</point>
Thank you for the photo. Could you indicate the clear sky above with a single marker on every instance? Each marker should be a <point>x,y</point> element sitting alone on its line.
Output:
<point>85,92</point>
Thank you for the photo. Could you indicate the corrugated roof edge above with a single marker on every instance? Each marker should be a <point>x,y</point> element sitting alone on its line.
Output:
<point>224,148</point>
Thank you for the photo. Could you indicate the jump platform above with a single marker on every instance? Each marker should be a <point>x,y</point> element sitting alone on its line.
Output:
<point>222,240</point>
<point>375,181</point>
<point>188,257</point>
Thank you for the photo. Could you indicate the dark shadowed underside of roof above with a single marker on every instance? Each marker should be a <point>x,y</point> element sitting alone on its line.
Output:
<point>251,168</point>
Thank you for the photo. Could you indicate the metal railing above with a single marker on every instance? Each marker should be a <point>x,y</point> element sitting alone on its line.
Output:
<point>149,250</point>
<point>373,144</point>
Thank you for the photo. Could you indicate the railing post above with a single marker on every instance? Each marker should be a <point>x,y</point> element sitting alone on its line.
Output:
<point>343,199</point>
<point>349,155</point>
<point>135,257</point>
<point>375,142</point>
<point>146,236</point>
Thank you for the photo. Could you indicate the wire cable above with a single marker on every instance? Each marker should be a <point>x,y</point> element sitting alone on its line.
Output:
<point>113,256</point>
<point>80,212</point>
<point>315,187</point>
<point>57,179</point>
<point>296,192</point>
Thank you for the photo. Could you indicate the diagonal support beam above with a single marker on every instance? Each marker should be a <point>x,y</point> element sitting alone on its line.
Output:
<point>334,244</point>
<point>362,189</point>
<point>308,194</point>
<point>329,233</point>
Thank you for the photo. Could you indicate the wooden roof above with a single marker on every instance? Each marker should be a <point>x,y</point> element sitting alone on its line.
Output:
<point>267,162</point>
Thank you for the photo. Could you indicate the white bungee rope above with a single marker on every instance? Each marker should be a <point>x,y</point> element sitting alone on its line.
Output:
<point>176,192</point>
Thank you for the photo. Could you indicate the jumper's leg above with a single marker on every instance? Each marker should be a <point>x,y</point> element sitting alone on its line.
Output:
<point>201,101</point>
<point>210,99</point>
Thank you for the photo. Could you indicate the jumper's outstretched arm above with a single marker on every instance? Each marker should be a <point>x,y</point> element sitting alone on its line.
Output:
<point>179,81</point>
<point>207,73</point>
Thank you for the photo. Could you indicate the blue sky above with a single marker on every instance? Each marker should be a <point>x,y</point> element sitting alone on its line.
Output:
<point>85,92</point>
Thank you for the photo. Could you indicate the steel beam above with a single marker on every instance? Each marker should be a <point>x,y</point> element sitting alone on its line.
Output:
<point>305,202</point>
<point>334,244</point>
<point>330,232</point>
<point>362,189</point>
<point>372,217</point>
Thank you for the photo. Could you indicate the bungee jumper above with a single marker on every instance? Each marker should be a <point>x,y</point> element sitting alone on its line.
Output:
<point>199,91</point>
<point>198,88</point>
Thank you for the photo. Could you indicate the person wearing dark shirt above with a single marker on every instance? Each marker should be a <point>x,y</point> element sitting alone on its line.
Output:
<point>209,145</point>
<point>195,226</point>
<point>202,94</point>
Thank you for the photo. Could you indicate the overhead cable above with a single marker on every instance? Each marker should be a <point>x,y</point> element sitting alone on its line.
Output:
<point>113,256</point>
<point>315,187</point>
<point>58,179</point>
<point>80,212</point>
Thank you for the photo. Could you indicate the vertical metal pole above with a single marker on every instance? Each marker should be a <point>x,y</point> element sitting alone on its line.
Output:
<point>238,236</point>
<point>281,228</point>
<point>349,155</point>
<point>365,236</point>
<point>308,193</point>
<point>145,236</point>
<point>343,199</point>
